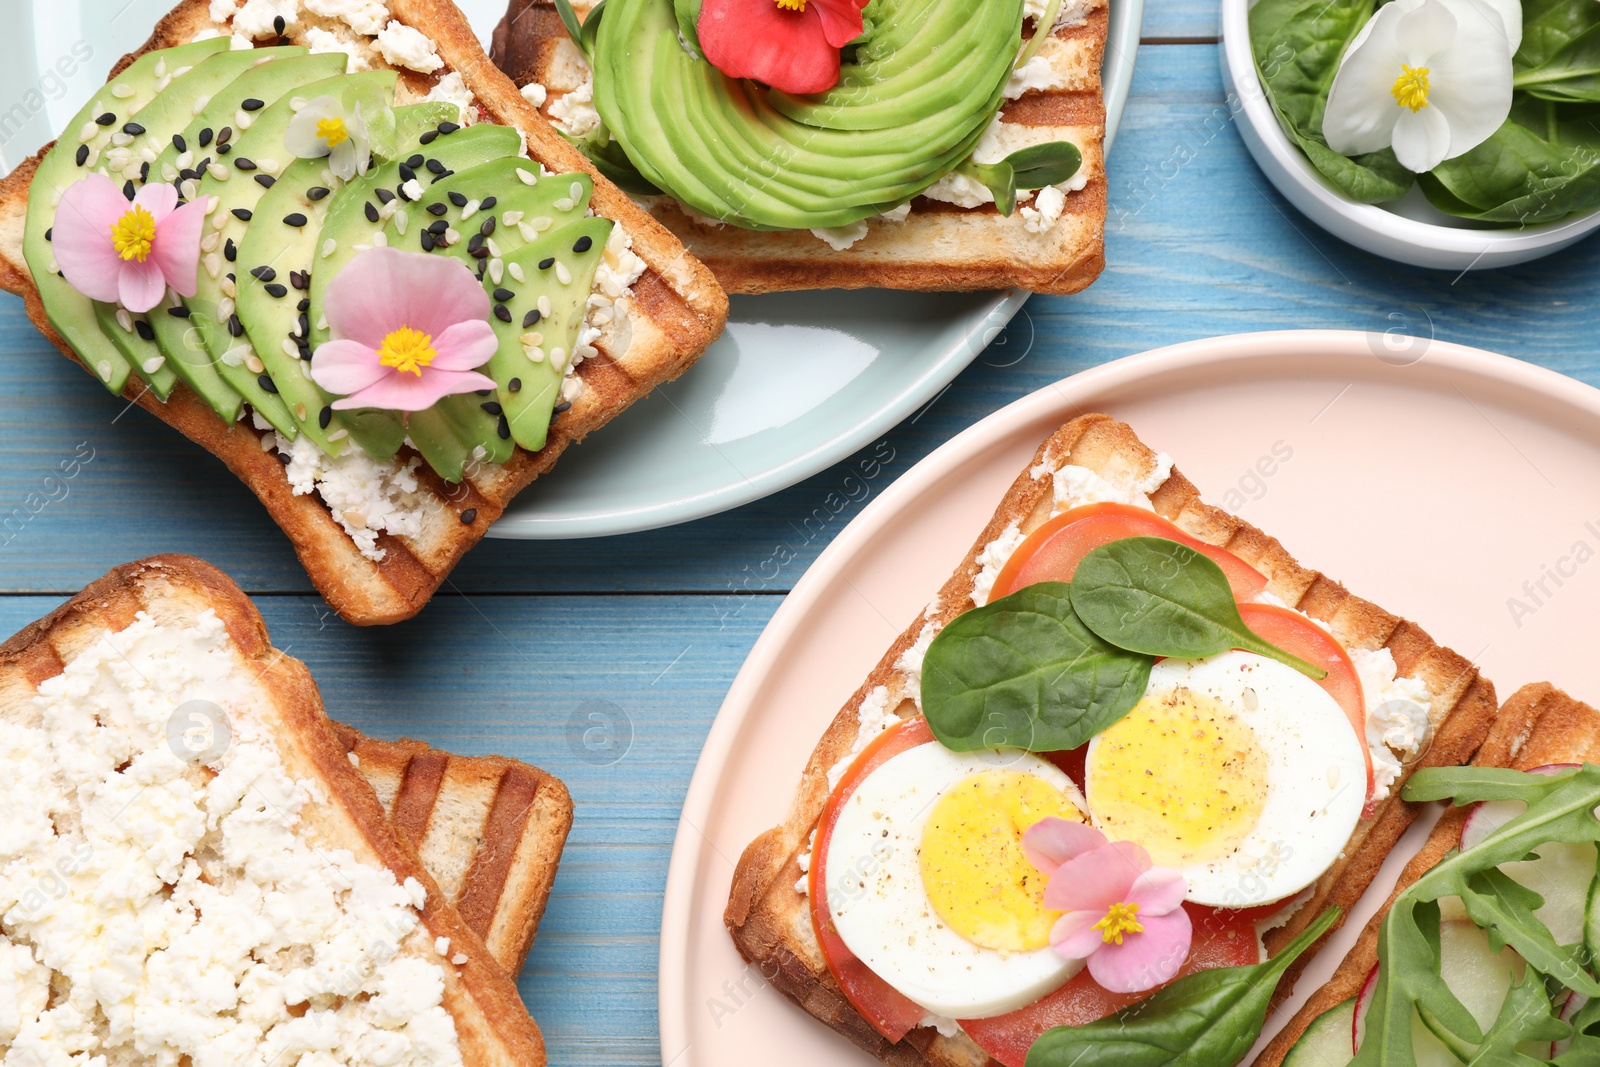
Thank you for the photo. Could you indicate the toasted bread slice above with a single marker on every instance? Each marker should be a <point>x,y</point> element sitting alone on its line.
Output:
<point>939,246</point>
<point>149,640</point>
<point>675,311</point>
<point>489,829</point>
<point>1537,726</point>
<point>770,919</point>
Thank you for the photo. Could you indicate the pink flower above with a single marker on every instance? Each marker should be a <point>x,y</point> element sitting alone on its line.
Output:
<point>1122,913</point>
<point>408,329</point>
<point>791,45</point>
<point>114,251</point>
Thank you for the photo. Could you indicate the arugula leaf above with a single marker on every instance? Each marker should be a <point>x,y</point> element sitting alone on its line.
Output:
<point>1024,672</point>
<point>1560,808</point>
<point>1156,596</point>
<point>1585,1048</point>
<point>1205,1019</point>
<point>1033,167</point>
<point>1525,1015</point>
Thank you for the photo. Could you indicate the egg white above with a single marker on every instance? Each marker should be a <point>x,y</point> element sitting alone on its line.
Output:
<point>882,912</point>
<point>1316,776</point>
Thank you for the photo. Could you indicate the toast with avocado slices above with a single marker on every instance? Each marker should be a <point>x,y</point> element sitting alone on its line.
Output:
<point>489,829</point>
<point>971,732</point>
<point>341,252</point>
<point>196,870</point>
<point>942,109</point>
<point>1520,997</point>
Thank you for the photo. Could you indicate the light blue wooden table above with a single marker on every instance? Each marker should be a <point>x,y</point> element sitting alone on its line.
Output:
<point>533,636</point>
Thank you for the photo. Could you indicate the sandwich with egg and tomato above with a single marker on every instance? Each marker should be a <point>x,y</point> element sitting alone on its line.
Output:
<point>1104,795</point>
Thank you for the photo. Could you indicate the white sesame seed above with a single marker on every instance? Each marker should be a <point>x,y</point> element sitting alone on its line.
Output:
<point>148,153</point>
<point>328,246</point>
<point>489,243</point>
<point>298,102</point>
<point>161,66</point>
<point>242,119</point>
<point>209,242</point>
<point>528,232</point>
<point>300,413</point>
<point>459,958</point>
<point>122,91</point>
<point>469,210</point>
<point>496,270</point>
<point>94,157</point>
<point>451,235</point>
<point>386,212</point>
<point>89,130</point>
<point>162,83</point>
<point>305,368</point>
<point>338,435</point>
<point>185,159</point>
<point>169,172</point>
<point>515,270</point>
<point>558,358</point>
<point>511,218</point>
<point>563,275</point>
<point>153,364</point>
<point>200,103</point>
<point>380,240</point>
<point>225,307</point>
<point>217,171</point>
<point>212,204</point>
<point>532,339</point>
<point>228,288</point>
<point>213,264</point>
<point>125,320</point>
<point>268,165</point>
<point>563,204</point>
<point>190,188</point>
<point>525,177</point>
<point>544,306</point>
<point>253,364</point>
<point>575,190</point>
<point>322,322</point>
<point>402,219</point>
<point>543,223</point>
<point>535,354</point>
<point>104,366</point>
<point>289,348</point>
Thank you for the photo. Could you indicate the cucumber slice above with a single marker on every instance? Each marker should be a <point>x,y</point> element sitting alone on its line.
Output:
<point>1326,1042</point>
<point>1479,978</point>
<point>1563,874</point>
<point>1591,922</point>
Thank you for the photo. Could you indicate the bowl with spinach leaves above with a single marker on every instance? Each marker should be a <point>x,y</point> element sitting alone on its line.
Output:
<point>1520,189</point>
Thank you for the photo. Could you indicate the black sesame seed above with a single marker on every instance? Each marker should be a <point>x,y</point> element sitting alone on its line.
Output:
<point>278,25</point>
<point>559,408</point>
<point>299,279</point>
<point>316,192</point>
<point>252,104</point>
<point>531,318</point>
<point>304,322</point>
<point>435,166</point>
<point>105,120</point>
<point>263,274</point>
<point>428,137</point>
<point>384,196</point>
<point>441,176</point>
<point>371,210</point>
<point>294,218</point>
<point>49,234</point>
<point>277,290</point>
<point>324,417</point>
<point>205,137</point>
<point>266,383</point>
<point>146,331</point>
<point>488,203</point>
<point>284,458</point>
<point>438,228</point>
<point>244,163</point>
<point>488,226</point>
<point>144,172</point>
<point>132,129</point>
<point>304,305</point>
<point>225,135</point>
<point>427,241</point>
<point>502,313</point>
<point>266,181</point>
<point>230,251</point>
<point>448,127</point>
<point>243,214</point>
<point>479,253</point>
<point>503,294</point>
<point>178,311</point>
<point>583,244</point>
<point>458,199</point>
<point>437,209</point>
<point>469,516</point>
<point>406,173</point>
<point>482,392</point>
<point>492,407</point>
<point>83,154</point>
<point>547,262</point>
<point>127,189</point>
<point>414,161</point>
<point>475,242</point>
<point>235,326</point>
<point>185,175</point>
<point>503,428</point>
<point>515,385</point>
<point>224,149</point>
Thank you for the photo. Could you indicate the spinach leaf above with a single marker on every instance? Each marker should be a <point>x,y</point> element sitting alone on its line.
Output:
<point>1560,808</point>
<point>1024,672</point>
<point>1156,596</point>
<point>1205,1019</point>
<point>1297,46</point>
<point>1542,164</point>
<point>1559,58</point>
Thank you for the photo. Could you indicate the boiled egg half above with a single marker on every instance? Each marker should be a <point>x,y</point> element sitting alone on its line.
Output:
<point>1235,769</point>
<point>927,882</point>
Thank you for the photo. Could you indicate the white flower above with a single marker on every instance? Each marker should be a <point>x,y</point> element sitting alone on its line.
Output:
<point>324,128</point>
<point>1432,78</point>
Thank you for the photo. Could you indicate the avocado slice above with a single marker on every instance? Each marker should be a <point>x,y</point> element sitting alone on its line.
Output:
<point>910,107</point>
<point>235,184</point>
<point>87,136</point>
<point>357,218</point>
<point>279,329</point>
<point>476,204</point>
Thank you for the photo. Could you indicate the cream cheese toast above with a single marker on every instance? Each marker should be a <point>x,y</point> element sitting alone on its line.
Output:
<point>266,181</point>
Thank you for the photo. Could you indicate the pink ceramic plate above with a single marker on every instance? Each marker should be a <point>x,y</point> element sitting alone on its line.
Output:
<point>1453,486</point>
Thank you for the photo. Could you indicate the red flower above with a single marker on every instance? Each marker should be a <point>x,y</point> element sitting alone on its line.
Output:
<point>791,45</point>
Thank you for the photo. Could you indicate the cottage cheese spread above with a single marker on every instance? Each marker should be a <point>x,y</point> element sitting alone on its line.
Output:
<point>406,46</point>
<point>366,17</point>
<point>367,497</point>
<point>319,40</point>
<point>156,911</point>
<point>574,112</point>
<point>1398,725</point>
<point>840,238</point>
<point>452,88</point>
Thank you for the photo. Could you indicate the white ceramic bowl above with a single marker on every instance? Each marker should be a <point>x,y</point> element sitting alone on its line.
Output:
<point>1408,230</point>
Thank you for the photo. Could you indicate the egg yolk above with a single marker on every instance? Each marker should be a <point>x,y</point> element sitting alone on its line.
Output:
<point>1180,774</point>
<point>973,868</point>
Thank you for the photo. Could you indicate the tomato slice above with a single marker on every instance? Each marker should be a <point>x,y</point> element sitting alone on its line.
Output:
<point>1051,553</point>
<point>1293,632</point>
<point>1221,939</point>
<point>890,1012</point>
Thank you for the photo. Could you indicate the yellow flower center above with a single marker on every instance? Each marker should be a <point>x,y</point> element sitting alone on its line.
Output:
<point>1411,88</point>
<point>791,5</point>
<point>333,132</point>
<point>1120,919</point>
<point>407,350</point>
<point>132,234</point>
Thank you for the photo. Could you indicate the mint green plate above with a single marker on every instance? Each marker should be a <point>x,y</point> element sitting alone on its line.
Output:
<point>798,382</point>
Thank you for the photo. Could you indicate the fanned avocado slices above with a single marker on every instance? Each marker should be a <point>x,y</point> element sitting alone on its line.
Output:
<point>277,251</point>
<point>78,151</point>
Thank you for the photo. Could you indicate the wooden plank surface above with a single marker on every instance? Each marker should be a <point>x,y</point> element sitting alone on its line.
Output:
<point>537,646</point>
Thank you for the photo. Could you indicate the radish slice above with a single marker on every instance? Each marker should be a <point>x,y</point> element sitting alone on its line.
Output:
<point>1575,1001</point>
<point>1489,815</point>
<point>1358,1025</point>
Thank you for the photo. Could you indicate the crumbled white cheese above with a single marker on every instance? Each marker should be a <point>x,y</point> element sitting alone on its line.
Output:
<point>258,18</point>
<point>1036,73</point>
<point>574,113</point>
<point>909,662</point>
<point>156,870</point>
<point>1397,715</point>
<point>946,1026</point>
<point>873,717</point>
<point>452,88</point>
<point>220,11</point>
<point>803,860</point>
<point>366,17</point>
<point>319,40</point>
<point>365,496</point>
<point>840,238</point>
<point>897,214</point>
<point>534,93</point>
<point>605,319</point>
<point>1072,11</point>
<point>959,189</point>
<point>992,560</point>
<point>1074,486</point>
<point>406,46</point>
